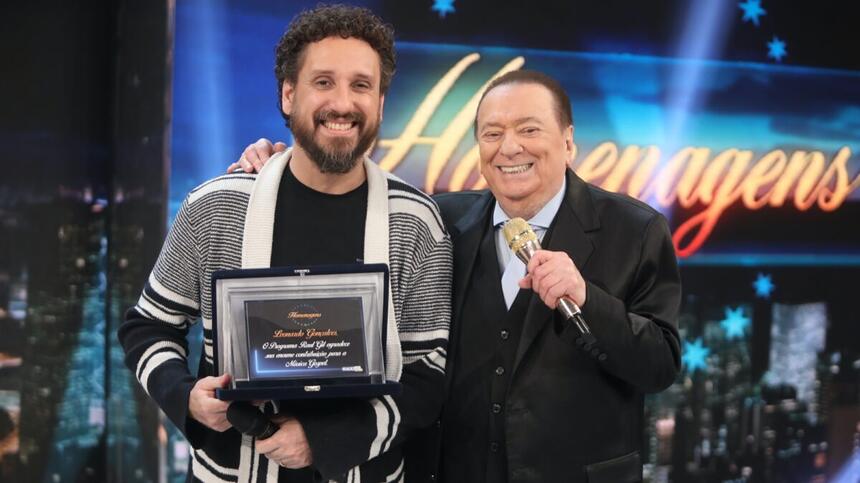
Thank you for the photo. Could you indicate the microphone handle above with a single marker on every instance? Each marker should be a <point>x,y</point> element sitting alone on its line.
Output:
<point>271,429</point>
<point>566,306</point>
<point>573,313</point>
<point>248,420</point>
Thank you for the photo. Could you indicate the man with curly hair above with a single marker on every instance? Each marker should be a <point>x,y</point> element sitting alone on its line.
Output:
<point>333,67</point>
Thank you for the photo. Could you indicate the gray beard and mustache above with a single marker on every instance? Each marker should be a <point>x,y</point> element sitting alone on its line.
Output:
<point>335,157</point>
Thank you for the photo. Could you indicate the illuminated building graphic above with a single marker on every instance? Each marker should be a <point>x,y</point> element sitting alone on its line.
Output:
<point>81,418</point>
<point>797,336</point>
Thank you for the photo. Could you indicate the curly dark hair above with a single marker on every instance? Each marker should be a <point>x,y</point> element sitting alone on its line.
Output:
<point>328,21</point>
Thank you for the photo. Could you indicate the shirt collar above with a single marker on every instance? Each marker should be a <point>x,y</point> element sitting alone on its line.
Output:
<point>543,218</point>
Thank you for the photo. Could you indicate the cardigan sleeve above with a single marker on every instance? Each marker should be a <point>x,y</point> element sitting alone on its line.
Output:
<point>360,432</point>
<point>153,334</point>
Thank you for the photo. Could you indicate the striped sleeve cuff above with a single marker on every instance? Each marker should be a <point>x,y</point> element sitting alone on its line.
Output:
<point>153,357</point>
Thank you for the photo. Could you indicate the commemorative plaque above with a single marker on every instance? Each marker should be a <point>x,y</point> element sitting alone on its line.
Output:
<point>298,333</point>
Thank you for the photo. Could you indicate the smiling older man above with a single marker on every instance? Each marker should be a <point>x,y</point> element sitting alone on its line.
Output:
<point>527,402</point>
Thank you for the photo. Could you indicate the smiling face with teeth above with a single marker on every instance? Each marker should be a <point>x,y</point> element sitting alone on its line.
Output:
<point>523,146</point>
<point>335,106</point>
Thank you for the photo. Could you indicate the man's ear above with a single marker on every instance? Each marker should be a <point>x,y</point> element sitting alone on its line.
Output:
<point>381,106</point>
<point>569,146</point>
<point>287,93</point>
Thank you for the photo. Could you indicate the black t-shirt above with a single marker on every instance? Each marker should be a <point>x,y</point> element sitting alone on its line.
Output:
<point>313,228</point>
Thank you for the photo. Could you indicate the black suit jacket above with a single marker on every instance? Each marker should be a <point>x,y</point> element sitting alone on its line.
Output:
<point>571,416</point>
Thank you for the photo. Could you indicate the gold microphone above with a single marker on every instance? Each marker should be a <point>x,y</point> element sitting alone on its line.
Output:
<point>524,243</point>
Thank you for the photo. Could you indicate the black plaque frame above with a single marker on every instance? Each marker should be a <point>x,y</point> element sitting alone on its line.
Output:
<point>304,388</point>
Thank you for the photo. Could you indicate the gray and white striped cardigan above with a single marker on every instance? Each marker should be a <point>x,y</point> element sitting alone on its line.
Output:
<point>226,223</point>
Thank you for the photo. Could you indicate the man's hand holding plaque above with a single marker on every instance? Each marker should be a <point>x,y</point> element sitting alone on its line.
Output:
<point>205,407</point>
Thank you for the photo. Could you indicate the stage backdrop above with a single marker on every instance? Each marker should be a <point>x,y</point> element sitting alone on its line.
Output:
<point>734,119</point>
<point>739,120</point>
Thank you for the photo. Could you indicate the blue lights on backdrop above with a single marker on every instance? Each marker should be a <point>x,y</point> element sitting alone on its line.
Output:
<point>695,355</point>
<point>443,7</point>
<point>735,322</point>
<point>752,11</point>
<point>631,109</point>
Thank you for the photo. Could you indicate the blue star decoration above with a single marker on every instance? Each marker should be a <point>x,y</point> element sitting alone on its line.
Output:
<point>752,11</point>
<point>443,7</point>
<point>734,323</point>
<point>763,286</point>
<point>694,355</point>
<point>776,49</point>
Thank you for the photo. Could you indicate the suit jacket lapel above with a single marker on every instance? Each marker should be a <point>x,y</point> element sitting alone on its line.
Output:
<point>466,235</point>
<point>569,233</point>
